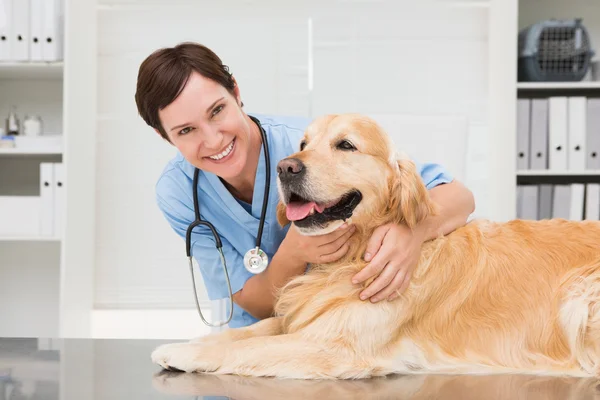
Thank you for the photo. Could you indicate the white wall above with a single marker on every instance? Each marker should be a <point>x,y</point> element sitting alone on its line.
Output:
<point>398,57</point>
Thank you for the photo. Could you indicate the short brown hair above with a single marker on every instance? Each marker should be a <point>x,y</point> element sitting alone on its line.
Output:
<point>164,73</point>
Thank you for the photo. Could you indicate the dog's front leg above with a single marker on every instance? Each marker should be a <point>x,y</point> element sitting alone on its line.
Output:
<point>283,356</point>
<point>266,327</point>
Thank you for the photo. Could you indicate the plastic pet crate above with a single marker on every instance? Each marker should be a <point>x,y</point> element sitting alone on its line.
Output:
<point>554,50</point>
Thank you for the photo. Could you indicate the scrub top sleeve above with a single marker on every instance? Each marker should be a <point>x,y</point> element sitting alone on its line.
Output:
<point>433,174</point>
<point>205,253</point>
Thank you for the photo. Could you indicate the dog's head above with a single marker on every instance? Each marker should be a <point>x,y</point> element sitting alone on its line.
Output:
<point>347,167</point>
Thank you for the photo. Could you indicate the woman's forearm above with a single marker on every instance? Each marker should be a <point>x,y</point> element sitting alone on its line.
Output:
<point>258,295</point>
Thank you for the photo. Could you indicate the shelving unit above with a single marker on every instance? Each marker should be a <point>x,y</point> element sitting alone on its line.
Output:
<point>530,12</point>
<point>31,70</point>
<point>31,262</point>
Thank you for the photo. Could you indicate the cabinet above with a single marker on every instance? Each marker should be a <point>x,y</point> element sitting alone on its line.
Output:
<point>46,216</point>
<point>558,128</point>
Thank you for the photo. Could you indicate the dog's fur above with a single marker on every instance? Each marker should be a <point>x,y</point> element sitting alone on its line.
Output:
<point>514,297</point>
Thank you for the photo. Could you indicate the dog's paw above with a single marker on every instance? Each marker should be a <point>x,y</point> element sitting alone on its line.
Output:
<point>186,357</point>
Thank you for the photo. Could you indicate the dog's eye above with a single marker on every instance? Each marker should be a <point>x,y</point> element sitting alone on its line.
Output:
<point>345,145</point>
<point>302,145</point>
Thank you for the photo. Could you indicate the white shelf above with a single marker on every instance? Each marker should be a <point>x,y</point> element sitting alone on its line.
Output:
<point>545,172</point>
<point>29,239</point>
<point>31,70</point>
<point>585,85</point>
<point>17,151</point>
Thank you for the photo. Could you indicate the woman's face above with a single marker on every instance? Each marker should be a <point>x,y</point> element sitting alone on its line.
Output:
<point>208,127</point>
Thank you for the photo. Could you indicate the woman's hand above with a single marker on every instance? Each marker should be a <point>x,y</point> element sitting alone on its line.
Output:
<point>393,252</point>
<point>318,249</point>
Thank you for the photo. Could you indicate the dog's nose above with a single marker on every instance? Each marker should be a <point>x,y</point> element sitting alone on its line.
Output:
<point>289,168</point>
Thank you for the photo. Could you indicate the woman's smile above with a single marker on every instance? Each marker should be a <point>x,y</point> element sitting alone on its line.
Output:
<point>223,155</point>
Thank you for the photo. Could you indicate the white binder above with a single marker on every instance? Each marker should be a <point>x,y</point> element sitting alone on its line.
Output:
<point>561,201</point>
<point>577,133</point>
<point>577,199</point>
<point>545,201</point>
<point>5,29</point>
<point>52,32</point>
<point>558,128</point>
<point>20,30</point>
<point>527,198</point>
<point>592,201</point>
<point>538,148</point>
<point>593,134</point>
<point>47,199</point>
<point>523,132</point>
<point>36,21</point>
<point>59,199</point>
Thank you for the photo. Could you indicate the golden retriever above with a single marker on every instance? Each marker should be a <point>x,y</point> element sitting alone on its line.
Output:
<point>514,297</point>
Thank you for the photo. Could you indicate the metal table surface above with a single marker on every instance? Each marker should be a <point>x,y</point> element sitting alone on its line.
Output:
<point>94,369</point>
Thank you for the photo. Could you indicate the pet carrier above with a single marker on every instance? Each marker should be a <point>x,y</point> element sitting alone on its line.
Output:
<point>554,50</point>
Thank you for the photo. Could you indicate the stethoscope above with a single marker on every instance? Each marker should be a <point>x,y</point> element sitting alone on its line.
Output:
<point>255,259</point>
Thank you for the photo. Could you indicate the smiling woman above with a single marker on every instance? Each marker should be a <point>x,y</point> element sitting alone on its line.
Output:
<point>189,97</point>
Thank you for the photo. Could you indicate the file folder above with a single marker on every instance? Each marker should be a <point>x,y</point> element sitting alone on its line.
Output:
<point>59,199</point>
<point>577,133</point>
<point>593,134</point>
<point>36,21</point>
<point>558,128</point>
<point>5,29</point>
<point>545,201</point>
<point>527,197</point>
<point>20,30</point>
<point>561,201</point>
<point>47,199</point>
<point>538,155</point>
<point>51,30</point>
<point>577,201</point>
<point>523,133</point>
<point>592,201</point>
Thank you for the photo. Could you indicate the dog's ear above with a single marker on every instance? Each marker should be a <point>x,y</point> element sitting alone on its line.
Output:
<point>409,199</point>
<point>281,216</point>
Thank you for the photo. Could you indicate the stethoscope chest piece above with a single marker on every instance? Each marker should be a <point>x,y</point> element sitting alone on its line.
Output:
<point>256,260</point>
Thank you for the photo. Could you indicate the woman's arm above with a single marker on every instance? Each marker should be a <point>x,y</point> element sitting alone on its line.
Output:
<point>258,295</point>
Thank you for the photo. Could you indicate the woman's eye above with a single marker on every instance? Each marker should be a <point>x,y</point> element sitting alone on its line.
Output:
<point>345,145</point>
<point>185,130</point>
<point>217,110</point>
<point>302,145</point>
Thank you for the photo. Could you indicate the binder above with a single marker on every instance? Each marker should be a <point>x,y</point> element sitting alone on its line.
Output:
<point>593,134</point>
<point>545,201</point>
<point>561,201</point>
<point>527,197</point>
<point>35,30</point>
<point>20,30</point>
<point>558,129</point>
<point>577,199</point>
<point>47,199</point>
<point>523,133</point>
<point>5,29</point>
<point>592,201</point>
<point>59,199</point>
<point>51,30</point>
<point>538,150</point>
<point>577,133</point>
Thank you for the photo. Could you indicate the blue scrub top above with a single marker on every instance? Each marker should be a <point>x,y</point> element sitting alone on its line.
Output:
<point>235,221</point>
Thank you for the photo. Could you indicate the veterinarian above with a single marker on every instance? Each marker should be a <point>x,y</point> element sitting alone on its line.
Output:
<point>192,100</point>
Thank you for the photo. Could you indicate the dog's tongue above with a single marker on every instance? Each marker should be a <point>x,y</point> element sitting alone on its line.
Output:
<point>298,210</point>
